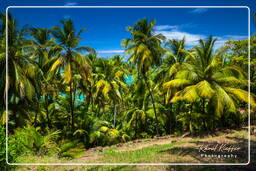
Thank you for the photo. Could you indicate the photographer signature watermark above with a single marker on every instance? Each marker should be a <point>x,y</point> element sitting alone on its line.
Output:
<point>218,150</point>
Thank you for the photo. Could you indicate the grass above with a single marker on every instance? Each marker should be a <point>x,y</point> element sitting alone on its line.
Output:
<point>166,150</point>
<point>144,155</point>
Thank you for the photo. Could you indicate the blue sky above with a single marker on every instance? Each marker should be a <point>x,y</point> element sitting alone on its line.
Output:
<point>106,27</point>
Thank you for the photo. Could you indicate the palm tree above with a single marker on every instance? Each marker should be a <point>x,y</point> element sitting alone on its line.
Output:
<point>110,83</point>
<point>205,76</point>
<point>20,66</point>
<point>44,51</point>
<point>135,116</point>
<point>71,59</point>
<point>145,51</point>
<point>173,59</point>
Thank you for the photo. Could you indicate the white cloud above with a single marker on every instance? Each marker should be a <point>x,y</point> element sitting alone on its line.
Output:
<point>235,37</point>
<point>70,4</point>
<point>174,32</point>
<point>111,51</point>
<point>172,27</point>
<point>221,40</point>
<point>191,39</point>
<point>165,27</point>
<point>198,10</point>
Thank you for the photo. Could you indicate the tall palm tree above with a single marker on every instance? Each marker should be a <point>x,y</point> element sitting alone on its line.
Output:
<point>43,51</point>
<point>205,75</point>
<point>20,66</point>
<point>145,51</point>
<point>2,57</point>
<point>173,59</point>
<point>71,59</point>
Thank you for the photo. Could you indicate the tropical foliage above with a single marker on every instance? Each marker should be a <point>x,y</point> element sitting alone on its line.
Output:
<point>60,93</point>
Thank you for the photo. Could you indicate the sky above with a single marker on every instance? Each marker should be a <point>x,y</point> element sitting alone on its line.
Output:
<point>106,27</point>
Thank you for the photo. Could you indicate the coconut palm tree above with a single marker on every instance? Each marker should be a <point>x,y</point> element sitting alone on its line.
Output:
<point>71,59</point>
<point>145,51</point>
<point>205,77</point>
<point>43,51</point>
<point>135,116</point>
<point>21,68</point>
<point>110,84</point>
<point>174,57</point>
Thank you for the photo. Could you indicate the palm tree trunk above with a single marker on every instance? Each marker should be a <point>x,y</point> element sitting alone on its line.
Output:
<point>48,118</point>
<point>88,101</point>
<point>47,111</point>
<point>71,106</point>
<point>153,103</point>
<point>103,107</point>
<point>98,110</point>
<point>114,116</point>
<point>35,120</point>
<point>203,111</point>
<point>15,118</point>
<point>37,111</point>
<point>190,119</point>
<point>170,120</point>
<point>136,126</point>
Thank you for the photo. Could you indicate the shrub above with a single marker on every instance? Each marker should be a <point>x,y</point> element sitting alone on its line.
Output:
<point>13,153</point>
<point>30,140</point>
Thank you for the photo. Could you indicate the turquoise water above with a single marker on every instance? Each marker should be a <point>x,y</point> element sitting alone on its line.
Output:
<point>80,97</point>
<point>129,79</point>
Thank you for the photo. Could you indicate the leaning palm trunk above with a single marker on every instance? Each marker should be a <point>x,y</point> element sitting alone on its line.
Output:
<point>153,103</point>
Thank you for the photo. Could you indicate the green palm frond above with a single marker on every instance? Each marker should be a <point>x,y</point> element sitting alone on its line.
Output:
<point>177,83</point>
<point>188,94</point>
<point>240,94</point>
<point>204,89</point>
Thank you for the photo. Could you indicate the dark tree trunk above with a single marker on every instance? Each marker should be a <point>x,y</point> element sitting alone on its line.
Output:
<point>153,103</point>
<point>71,106</point>
<point>204,113</point>
<point>47,114</point>
<point>88,101</point>
<point>15,118</point>
<point>48,118</point>
<point>190,119</point>
<point>37,111</point>
<point>136,126</point>
<point>115,116</point>
<point>169,123</point>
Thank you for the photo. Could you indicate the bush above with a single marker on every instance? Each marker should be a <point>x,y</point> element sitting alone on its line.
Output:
<point>2,147</point>
<point>12,153</point>
<point>31,141</point>
<point>66,149</point>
